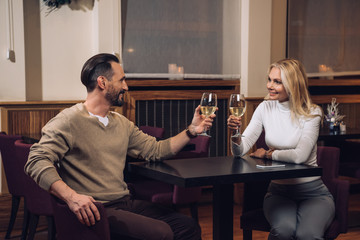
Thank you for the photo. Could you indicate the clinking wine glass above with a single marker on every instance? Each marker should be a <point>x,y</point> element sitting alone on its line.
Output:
<point>208,106</point>
<point>237,107</point>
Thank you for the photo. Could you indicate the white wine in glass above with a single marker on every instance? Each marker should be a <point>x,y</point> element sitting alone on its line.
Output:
<point>237,107</point>
<point>207,110</point>
<point>208,106</point>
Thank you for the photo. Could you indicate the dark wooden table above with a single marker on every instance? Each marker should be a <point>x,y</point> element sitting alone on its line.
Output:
<point>221,173</point>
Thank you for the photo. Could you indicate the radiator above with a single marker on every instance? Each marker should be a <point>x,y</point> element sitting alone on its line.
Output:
<point>175,115</point>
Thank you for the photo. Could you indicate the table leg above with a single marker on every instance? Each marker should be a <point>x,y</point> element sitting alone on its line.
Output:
<point>223,199</point>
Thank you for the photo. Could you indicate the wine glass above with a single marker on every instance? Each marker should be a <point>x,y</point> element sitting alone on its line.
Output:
<point>237,107</point>
<point>208,106</point>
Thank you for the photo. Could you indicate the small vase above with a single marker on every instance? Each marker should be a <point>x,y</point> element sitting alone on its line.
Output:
<point>336,128</point>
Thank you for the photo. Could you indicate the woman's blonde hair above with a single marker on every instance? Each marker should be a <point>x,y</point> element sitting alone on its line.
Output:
<point>293,76</point>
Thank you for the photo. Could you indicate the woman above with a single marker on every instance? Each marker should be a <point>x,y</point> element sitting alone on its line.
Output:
<point>297,208</point>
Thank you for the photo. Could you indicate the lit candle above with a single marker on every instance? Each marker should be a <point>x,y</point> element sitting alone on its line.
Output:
<point>180,70</point>
<point>322,68</point>
<point>172,68</point>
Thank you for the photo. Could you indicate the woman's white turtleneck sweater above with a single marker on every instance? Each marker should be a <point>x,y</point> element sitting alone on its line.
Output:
<point>294,140</point>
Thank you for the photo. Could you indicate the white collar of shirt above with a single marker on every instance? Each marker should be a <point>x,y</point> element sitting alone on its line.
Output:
<point>103,120</point>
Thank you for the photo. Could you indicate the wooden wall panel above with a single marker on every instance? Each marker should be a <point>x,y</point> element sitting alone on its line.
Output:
<point>350,110</point>
<point>18,122</point>
<point>28,121</point>
<point>26,118</point>
<point>37,119</point>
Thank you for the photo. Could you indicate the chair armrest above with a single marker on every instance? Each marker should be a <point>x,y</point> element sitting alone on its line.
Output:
<point>163,198</point>
<point>69,227</point>
<point>186,195</point>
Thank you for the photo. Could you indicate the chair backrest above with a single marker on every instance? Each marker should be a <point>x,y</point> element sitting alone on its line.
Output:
<point>328,159</point>
<point>260,143</point>
<point>201,148</point>
<point>68,226</point>
<point>165,193</point>
<point>153,131</point>
<point>37,199</point>
<point>191,195</point>
<point>11,167</point>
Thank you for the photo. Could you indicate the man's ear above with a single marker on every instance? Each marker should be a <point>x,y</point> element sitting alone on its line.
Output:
<point>101,82</point>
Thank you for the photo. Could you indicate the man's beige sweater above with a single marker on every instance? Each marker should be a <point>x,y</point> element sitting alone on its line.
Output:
<point>90,156</point>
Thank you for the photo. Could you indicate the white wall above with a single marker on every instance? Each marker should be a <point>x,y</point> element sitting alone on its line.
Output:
<point>278,30</point>
<point>231,37</point>
<point>68,39</point>
<point>12,79</point>
<point>255,46</point>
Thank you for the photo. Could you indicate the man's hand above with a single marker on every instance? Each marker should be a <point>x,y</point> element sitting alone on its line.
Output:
<point>84,208</point>
<point>81,205</point>
<point>200,123</point>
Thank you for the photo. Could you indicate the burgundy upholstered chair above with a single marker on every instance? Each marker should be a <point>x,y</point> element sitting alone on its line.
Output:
<point>350,164</point>
<point>12,168</point>
<point>153,131</point>
<point>37,200</point>
<point>68,227</point>
<point>172,195</point>
<point>260,143</point>
<point>328,158</point>
<point>156,132</point>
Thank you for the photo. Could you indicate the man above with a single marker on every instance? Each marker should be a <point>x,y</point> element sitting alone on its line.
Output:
<point>89,143</point>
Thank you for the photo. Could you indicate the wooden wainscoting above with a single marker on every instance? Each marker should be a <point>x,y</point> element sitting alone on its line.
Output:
<point>27,118</point>
<point>346,92</point>
<point>349,105</point>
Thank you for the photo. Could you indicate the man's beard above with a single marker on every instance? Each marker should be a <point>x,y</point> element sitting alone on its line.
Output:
<point>114,98</point>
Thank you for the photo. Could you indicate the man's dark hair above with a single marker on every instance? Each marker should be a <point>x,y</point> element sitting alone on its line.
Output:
<point>98,65</point>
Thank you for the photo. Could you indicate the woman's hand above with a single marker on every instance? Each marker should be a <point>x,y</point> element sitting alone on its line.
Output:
<point>262,153</point>
<point>234,123</point>
<point>259,153</point>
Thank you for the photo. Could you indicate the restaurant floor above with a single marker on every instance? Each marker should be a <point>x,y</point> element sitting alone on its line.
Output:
<point>205,219</point>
